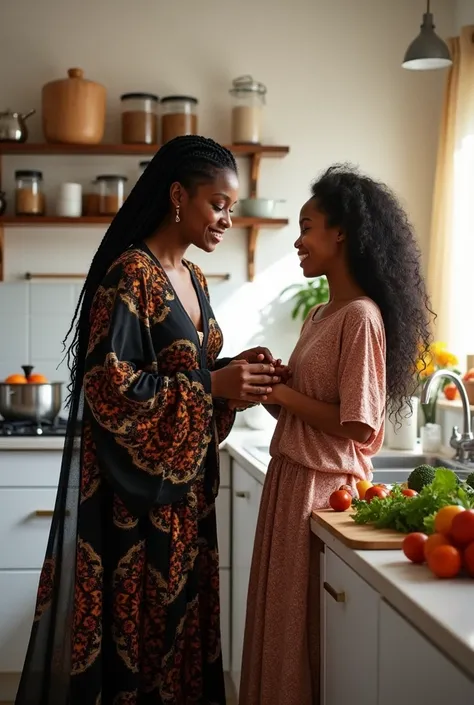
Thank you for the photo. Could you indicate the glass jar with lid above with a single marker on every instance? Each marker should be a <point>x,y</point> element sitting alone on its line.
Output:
<point>29,196</point>
<point>90,199</point>
<point>178,117</point>
<point>247,111</point>
<point>139,118</point>
<point>111,189</point>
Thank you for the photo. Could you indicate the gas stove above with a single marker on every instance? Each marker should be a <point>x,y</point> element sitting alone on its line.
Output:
<point>31,428</point>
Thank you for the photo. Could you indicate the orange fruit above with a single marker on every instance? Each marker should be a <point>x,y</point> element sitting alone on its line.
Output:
<point>15,379</point>
<point>462,528</point>
<point>444,518</point>
<point>468,559</point>
<point>433,542</point>
<point>413,547</point>
<point>37,379</point>
<point>445,561</point>
<point>362,486</point>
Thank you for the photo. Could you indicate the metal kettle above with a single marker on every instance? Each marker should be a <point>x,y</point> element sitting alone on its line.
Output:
<point>13,126</point>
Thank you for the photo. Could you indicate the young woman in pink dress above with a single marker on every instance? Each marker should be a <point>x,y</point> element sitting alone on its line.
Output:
<point>355,358</point>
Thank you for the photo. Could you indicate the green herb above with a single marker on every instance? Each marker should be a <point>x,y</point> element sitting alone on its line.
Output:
<point>417,513</point>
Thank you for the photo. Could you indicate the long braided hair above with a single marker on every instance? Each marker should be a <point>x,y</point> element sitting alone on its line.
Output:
<point>190,160</point>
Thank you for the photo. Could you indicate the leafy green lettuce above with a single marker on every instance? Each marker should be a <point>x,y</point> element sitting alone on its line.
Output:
<point>407,514</point>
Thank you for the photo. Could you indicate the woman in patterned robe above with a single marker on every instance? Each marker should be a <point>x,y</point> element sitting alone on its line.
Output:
<point>128,602</point>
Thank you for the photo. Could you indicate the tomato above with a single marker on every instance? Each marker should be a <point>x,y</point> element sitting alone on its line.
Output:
<point>409,493</point>
<point>376,491</point>
<point>445,561</point>
<point>450,392</point>
<point>340,500</point>
<point>434,541</point>
<point>468,559</point>
<point>462,528</point>
<point>444,518</point>
<point>414,547</point>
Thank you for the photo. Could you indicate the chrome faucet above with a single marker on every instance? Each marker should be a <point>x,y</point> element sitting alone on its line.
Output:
<point>463,443</point>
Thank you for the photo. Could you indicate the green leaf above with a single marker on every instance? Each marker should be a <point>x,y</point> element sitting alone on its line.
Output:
<point>445,481</point>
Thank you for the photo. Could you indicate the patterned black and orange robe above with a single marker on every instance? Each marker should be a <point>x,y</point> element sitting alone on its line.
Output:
<point>145,606</point>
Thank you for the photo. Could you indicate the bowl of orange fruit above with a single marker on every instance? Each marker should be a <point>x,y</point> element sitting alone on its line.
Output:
<point>29,397</point>
<point>449,551</point>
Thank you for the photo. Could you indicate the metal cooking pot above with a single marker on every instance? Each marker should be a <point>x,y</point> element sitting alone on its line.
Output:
<point>32,401</point>
<point>13,126</point>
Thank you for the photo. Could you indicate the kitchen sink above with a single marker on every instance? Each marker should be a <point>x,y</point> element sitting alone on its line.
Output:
<point>389,467</point>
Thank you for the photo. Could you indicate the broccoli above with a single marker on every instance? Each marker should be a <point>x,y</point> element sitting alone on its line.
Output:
<point>470,480</point>
<point>420,477</point>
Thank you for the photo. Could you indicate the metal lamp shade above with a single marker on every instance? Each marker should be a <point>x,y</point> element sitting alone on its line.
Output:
<point>427,51</point>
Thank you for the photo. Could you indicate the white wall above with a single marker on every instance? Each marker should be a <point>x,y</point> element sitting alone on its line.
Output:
<point>464,13</point>
<point>336,91</point>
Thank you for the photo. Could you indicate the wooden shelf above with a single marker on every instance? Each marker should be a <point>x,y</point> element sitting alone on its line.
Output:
<point>31,276</point>
<point>44,220</point>
<point>40,148</point>
<point>254,153</point>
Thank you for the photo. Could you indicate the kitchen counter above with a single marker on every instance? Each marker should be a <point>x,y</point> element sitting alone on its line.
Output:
<point>442,610</point>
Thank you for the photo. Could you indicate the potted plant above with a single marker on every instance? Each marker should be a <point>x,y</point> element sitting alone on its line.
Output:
<point>307,296</point>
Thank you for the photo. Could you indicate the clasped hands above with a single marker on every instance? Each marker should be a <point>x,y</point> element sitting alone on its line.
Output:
<point>260,363</point>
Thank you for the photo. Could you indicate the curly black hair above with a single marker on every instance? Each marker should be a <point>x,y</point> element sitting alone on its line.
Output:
<point>189,160</point>
<point>385,261</point>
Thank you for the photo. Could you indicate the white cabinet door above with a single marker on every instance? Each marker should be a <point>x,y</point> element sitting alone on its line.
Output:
<point>351,609</point>
<point>25,521</point>
<point>245,504</point>
<point>412,671</point>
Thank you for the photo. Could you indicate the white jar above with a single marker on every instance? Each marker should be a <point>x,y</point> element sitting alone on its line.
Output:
<point>69,201</point>
<point>402,434</point>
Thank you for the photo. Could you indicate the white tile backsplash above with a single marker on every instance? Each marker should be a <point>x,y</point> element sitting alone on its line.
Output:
<point>47,331</point>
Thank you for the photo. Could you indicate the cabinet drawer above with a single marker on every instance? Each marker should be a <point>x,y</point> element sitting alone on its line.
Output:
<point>17,607</point>
<point>223,526</point>
<point>25,520</point>
<point>30,468</point>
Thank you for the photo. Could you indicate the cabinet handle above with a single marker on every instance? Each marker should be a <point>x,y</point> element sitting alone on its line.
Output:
<point>338,596</point>
<point>243,495</point>
<point>44,512</point>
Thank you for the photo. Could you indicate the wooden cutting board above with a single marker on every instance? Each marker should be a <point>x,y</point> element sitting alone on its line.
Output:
<point>359,536</point>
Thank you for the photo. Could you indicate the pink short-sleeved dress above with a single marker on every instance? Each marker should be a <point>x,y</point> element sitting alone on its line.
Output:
<point>338,359</point>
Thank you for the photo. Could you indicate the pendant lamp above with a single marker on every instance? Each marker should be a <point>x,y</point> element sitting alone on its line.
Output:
<point>427,51</point>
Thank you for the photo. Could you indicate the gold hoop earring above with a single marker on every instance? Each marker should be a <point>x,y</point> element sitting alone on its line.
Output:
<point>177,218</point>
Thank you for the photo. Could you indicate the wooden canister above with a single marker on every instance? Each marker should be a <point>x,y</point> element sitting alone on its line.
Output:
<point>74,110</point>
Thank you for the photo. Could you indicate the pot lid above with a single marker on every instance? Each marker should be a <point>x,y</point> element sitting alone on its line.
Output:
<point>246,84</point>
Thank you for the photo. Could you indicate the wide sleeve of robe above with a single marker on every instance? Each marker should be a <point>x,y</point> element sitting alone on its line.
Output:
<point>146,387</point>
